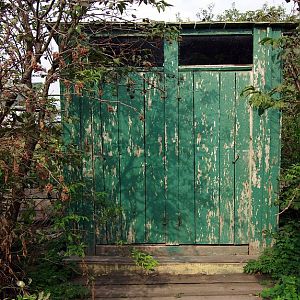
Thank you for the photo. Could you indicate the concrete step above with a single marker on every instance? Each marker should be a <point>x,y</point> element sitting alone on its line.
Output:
<point>173,265</point>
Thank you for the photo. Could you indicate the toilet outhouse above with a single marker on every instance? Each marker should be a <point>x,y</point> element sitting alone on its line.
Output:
<point>172,152</point>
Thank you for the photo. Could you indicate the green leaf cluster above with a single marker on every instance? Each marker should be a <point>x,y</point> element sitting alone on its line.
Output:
<point>144,260</point>
<point>263,100</point>
<point>39,296</point>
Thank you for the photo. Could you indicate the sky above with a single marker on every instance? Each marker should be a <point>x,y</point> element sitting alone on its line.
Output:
<point>189,8</point>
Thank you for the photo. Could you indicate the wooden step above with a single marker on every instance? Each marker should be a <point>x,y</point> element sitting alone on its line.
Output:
<point>183,297</point>
<point>155,278</point>
<point>175,265</point>
<point>170,250</point>
<point>178,290</point>
<point>167,287</point>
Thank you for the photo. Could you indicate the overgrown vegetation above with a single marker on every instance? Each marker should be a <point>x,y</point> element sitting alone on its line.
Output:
<point>282,263</point>
<point>47,272</point>
<point>32,153</point>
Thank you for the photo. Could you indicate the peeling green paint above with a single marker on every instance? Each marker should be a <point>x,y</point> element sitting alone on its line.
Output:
<point>182,152</point>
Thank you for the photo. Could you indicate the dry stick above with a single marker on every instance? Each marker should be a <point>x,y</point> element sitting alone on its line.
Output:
<point>288,206</point>
<point>118,102</point>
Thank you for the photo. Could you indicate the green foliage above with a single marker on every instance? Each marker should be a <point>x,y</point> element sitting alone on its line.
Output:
<point>49,273</point>
<point>290,139</point>
<point>32,154</point>
<point>287,288</point>
<point>106,212</point>
<point>69,225</point>
<point>24,295</point>
<point>290,196</point>
<point>263,100</point>
<point>264,14</point>
<point>144,260</point>
<point>284,257</point>
<point>282,262</point>
<point>39,296</point>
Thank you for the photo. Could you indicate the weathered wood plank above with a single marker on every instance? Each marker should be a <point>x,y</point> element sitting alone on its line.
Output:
<point>206,103</point>
<point>110,142</point>
<point>266,138</point>
<point>186,181</point>
<point>272,189</point>
<point>71,120</point>
<point>97,156</point>
<point>171,141</point>
<point>88,195</point>
<point>163,290</point>
<point>243,165</point>
<point>179,296</point>
<point>132,161</point>
<point>170,250</point>
<point>227,157</point>
<point>151,279</point>
<point>168,262</point>
<point>257,140</point>
<point>155,158</point>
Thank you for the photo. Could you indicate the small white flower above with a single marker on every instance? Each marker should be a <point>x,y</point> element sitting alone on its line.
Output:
<point>21,284</point>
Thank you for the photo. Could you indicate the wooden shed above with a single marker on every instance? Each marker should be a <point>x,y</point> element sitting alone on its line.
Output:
<point>182,157</point>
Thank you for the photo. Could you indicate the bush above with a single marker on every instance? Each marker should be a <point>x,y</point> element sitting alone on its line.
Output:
<point>282,263</point>
<point>50,274</point>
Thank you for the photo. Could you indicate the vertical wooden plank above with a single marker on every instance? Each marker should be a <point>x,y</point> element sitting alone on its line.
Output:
<point>243,164</point>
<point>97,159</point>
<point>266,139</point>
<point>132,161</point>
<point>257,142</point>
<point>71,120</point>
<point>272,190</point>
<point>227,156</point>
<point>155,158</point>
<point>171,140</point>
<point>206,104</point>
<point>110,144</point>
<point>87,170</point>
<point>186,232</point>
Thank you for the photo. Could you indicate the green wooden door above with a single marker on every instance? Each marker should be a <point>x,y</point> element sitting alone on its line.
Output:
<point>172,163</point>
<point>210,211</point>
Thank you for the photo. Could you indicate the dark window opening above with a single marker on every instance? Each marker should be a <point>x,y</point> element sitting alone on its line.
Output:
<point>216,50</point>
<point>129,51</point>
